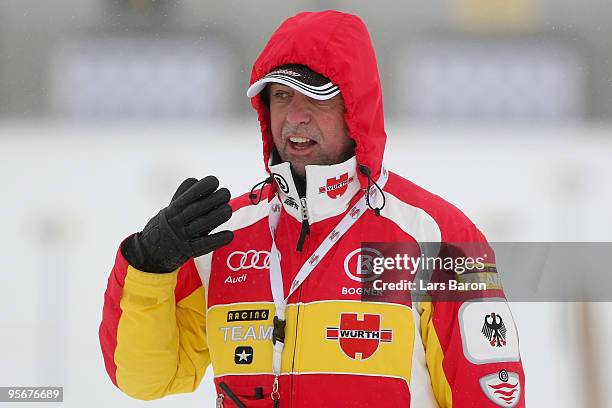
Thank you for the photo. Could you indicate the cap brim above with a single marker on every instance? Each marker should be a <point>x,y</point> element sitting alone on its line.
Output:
<point>320,93</point>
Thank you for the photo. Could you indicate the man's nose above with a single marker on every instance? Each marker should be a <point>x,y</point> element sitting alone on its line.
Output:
<point>299,111</point>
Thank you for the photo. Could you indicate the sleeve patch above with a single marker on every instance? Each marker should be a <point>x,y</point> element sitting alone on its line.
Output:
<point>503,388</point>
<point>488,333</point>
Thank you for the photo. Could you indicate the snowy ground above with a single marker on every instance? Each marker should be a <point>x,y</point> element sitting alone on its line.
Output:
<point>71,193</point>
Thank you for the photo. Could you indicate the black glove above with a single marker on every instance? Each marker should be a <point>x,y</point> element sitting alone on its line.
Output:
<point>181,230</point>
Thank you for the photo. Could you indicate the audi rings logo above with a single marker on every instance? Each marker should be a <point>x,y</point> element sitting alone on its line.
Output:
<point>250,259</point>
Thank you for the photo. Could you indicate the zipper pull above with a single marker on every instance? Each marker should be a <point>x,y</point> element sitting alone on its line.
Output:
<point>231,395</point>
<point>219,402</point>
<point>305,226</point>
<point>275,394</point>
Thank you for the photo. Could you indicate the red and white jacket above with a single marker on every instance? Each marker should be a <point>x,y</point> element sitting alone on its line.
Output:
<point>160,332</point>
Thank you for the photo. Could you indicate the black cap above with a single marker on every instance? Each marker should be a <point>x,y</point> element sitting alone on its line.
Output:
<point>299,77</point>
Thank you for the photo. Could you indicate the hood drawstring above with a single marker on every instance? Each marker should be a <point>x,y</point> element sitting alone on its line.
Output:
<point>255,199</point>
<point>366,171</point>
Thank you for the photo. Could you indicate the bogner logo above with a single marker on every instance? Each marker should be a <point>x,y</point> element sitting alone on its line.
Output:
<point>281,182</point>
<point>359,337</point>
<point>336,186</point>
<point>358,264</point>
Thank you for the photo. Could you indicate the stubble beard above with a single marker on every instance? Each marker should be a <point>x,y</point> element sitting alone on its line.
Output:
<point>298,165</point>
<point>318,157</point>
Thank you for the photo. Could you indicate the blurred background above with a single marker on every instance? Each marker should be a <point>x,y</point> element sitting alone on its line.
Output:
<point>503,107</point>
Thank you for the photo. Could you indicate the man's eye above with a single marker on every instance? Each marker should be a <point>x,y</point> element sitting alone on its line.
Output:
<point>281,95</point>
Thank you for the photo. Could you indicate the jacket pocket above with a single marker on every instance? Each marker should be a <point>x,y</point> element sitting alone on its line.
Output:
<point>252,396</point>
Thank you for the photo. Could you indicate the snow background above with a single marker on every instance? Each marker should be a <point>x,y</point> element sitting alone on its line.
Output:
<point>71,193</point>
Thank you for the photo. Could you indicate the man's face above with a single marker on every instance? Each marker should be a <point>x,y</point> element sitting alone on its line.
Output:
<point>308,131</point>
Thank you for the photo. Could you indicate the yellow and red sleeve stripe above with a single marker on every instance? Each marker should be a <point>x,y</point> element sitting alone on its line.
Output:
<point>455,380</point>
<point>152,333</point>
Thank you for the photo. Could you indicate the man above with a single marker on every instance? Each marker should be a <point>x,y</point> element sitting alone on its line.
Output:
<point>277,310</point>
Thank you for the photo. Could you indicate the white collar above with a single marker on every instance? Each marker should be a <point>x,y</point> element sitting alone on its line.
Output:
<point>329,189</point>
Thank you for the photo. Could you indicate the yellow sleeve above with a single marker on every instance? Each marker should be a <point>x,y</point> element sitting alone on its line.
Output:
<point>160,346</point>
<point>434,357</point>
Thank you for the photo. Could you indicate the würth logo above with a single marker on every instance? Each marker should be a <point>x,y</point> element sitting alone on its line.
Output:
<point>336,186</point>
<point>359,337</point>
<point>313,259</point>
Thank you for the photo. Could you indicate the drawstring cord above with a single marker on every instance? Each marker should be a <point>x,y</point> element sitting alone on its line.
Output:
<point>255,199</point>
<point>366,171</point>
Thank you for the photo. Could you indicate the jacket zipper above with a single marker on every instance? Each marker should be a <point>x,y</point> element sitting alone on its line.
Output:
<point>305,226</point>
<point>295,343</point>
<point>297,334</point>
<point>300,246</point>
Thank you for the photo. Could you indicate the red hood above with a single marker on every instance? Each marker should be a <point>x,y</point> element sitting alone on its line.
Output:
<point>338,46</point>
